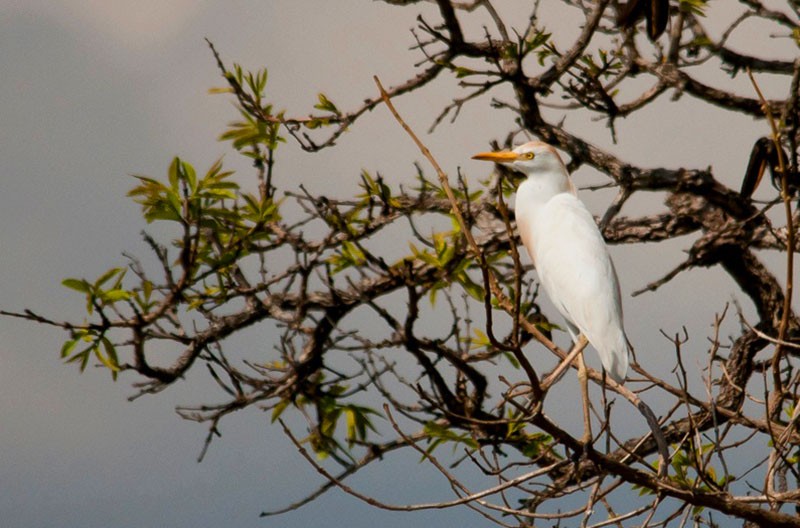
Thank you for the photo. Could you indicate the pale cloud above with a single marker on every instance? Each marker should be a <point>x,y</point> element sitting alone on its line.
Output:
<point>139,23</point>
<point>133,25</point>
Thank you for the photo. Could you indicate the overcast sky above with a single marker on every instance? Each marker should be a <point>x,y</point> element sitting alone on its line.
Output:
<point>94,91</point>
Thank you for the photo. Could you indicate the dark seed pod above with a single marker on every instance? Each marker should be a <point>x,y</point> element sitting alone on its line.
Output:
<point>755,167</point>
<point>657,13</point>
<point>763,155</point>
<point>629,13</point>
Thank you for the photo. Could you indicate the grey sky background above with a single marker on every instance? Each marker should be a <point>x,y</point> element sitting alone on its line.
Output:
<point>93,91</point>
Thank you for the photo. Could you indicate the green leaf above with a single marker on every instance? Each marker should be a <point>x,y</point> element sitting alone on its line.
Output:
<point>536,444</point>
<point>462,72</point>
<point>79,285</point>
<point>441,434</point>
<point>162,213</point>
<point>358,422</point>
<point>481,340</point>
<point>189,175</point>
<point>279,408</point>
<point>642,490</point>
<point>511,359</point>
<point>108,275</point>
<point>113,296</point>
<point>325,104</point>
<point>349,255</point>
<point>539,38</point>
<point>147,289</point>
<point>352,429</point>
<point>695,7</point>
<point>68,347</point>
<point>82,357</point>
<point>172,173</point>
<point>474,289</point>
<point>109,359</point>
<point>316,123</point>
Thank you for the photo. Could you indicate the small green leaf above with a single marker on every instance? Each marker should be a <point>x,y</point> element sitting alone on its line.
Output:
<point>68,347</point>
<point>112,296</point>
<point>475,290</point>
<point>79,285</point>
<point>316,123</point>
<point>480,340</point>
<point>147,289</point>
<point>695,7</point>
<point>105,277</point>
<point>109,359</point>
<point>189,175</point>
<point>172,173</point>
<point>279,408</point>
<point>511,359</point>
<point>440,434</point>
<point>536,444</point>
<point>326,105</point>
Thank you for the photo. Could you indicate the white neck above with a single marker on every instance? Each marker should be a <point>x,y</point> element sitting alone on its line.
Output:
<point>540,187</point>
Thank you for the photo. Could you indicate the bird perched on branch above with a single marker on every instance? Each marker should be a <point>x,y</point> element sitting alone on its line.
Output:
<point>568,251</point>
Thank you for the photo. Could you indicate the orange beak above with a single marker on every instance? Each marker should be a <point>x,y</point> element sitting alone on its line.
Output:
<point>502,156</point>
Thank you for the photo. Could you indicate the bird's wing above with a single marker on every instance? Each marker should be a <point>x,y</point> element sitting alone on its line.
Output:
<point>577,273</point>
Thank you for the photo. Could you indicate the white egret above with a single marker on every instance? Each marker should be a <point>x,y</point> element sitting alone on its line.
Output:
<point>568,251</point>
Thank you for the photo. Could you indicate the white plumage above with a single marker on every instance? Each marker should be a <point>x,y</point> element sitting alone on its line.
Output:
<point>568,251</point>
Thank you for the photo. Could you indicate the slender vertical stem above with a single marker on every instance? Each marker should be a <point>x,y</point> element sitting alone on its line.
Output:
<point>489,279</point>
<point>787,206</point>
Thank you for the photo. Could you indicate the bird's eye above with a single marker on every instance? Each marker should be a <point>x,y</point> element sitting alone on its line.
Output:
<point>529,155</point>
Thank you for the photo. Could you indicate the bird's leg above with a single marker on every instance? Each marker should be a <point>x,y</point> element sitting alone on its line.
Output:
<point>555,375</point>
<point>583,378</point>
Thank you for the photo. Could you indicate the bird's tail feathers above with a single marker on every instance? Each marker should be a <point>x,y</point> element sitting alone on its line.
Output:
<point>614,356</point>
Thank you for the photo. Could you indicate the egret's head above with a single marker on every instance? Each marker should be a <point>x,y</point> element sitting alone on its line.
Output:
<point>530,158</point>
